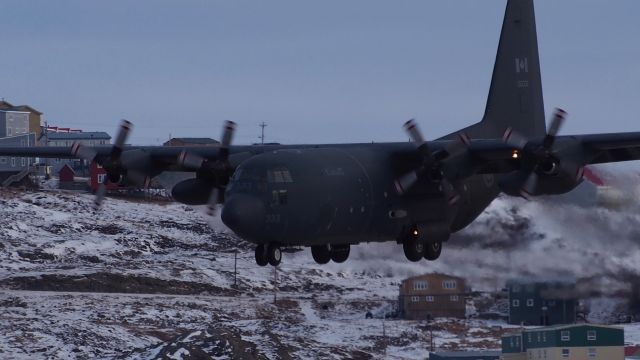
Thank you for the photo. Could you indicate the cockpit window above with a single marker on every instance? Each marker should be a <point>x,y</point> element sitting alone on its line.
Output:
<point>279,175</point>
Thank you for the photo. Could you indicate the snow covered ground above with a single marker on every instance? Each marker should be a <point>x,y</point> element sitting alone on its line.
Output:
<point>154,280</point>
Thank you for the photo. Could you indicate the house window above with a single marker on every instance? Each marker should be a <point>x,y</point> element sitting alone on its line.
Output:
<point>9,131</point>
<point>592,352</point>
<point>13,162</point>
<point>565,353</point>
<point>23,161</point>
<point>429,298</point>
<point>3,160</point>
<point>565,336</point>
<point>415,298</point>
<point>530,302</point>
<point>529,338</point>
<point>101,178</point>
<point>515,303</point>
<point>544,336</point>
<point>591,335</point>
<point>420,285</point>
<point>449,284</point>
<point>454,298</point>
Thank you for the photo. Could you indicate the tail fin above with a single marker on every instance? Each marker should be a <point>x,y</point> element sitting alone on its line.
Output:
<point>515,97</point>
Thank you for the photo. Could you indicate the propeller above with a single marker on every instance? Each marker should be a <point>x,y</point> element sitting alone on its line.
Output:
<point>112,164</point>
<point>217,171</point>
<point>432,165</point>
<point>542,157</point>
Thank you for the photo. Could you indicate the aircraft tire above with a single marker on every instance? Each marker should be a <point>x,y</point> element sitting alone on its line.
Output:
<point>413,249</point>
<point>321,254</point>
<point>340,253</point>
<point>274,255</point>
<point>261,258</point>
<point>432,251</point>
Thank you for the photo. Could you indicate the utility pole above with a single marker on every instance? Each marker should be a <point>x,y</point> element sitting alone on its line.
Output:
<point>275,284</point>
<point>262,125</point>
<point>235,269</point>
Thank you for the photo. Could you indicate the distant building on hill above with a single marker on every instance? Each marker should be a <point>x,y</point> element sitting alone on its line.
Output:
<point>541,303</point>
<point>571,342</point>
<point>34,117</point>
<point>14,131</point>
<point>66,139</point>
<point>432,295</point>
<point>191,141</point>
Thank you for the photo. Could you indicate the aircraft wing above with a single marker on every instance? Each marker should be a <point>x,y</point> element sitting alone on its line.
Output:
<point>605,148</point>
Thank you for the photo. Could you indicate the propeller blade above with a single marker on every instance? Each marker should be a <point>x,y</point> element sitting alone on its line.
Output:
<point>214,198</point>
<point>405,182</point>
<point>514,139</point>
<point>189,160</point>
<point>529,188</point>
<point>121,139</point>
<point>559,117</point>
<point>227,136</point>
<point>83,152</point>
<point>100,193</point>
<point>138,178</point>
<point>450,192</point>
<point>411,127</point>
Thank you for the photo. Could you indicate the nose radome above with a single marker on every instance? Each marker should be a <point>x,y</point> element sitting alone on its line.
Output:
<point>244,214</point>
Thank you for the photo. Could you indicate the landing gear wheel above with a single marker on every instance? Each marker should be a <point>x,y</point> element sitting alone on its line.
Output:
<point>340,253</point>
<point>321,254</point>
<point>261,258</point>
<point>432,250</point>
<point>274,255</point>
<point>413,249</point>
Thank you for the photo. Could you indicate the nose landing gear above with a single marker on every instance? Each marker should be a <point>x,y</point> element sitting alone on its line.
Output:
<point>269,254</point>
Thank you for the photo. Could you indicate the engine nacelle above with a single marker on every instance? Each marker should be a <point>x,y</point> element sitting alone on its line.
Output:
<point>192,191</point>
<point>553,178</point>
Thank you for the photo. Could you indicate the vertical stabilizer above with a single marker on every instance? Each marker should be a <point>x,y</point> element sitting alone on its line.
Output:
<point>515,96</point>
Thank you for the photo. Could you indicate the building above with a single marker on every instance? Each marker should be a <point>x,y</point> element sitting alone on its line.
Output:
<point>191,141</point>
<point>429,296</point>
<point>34,117</point>
<point>14,131</point>
<point>541,303</point>
<point>66,174</point>
<point>465,355</point>
<point>67,138</point>
<point>565,342</point>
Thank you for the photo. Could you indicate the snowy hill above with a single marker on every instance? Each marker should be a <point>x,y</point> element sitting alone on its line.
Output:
<point>147,280</point>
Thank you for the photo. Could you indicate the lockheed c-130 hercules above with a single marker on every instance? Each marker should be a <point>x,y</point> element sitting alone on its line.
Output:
<point>329,197</point>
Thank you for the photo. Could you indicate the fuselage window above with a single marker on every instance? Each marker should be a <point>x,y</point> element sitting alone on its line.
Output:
<point>279,175</point>
<point>279,197</point>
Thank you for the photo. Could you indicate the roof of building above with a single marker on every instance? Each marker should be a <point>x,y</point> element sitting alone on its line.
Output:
<point>196,140</point>
<point>571,326</point>
<point>8,106</point>
<point>432,274</point>
<point>88,135</point>
<point>68,167</point>
<point>13,111</point>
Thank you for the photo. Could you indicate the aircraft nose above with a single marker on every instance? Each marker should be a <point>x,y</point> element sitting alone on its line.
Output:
<point>244,214</point>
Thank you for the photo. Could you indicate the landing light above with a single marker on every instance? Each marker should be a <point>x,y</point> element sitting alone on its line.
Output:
<point>515,154</point>
<point>415,232</point>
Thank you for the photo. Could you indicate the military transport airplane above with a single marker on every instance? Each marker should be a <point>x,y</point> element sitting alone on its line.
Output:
<point>329,197</point>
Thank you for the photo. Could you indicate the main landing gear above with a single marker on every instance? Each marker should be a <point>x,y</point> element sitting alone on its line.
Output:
<point>416,248</point>
<point>268,254</point>
<point>322,254</point>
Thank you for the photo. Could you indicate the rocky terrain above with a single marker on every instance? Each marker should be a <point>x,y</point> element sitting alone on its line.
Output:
<point>161,280</point>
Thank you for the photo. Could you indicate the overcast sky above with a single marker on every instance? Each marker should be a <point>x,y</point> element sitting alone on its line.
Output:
<point>320,72</point>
